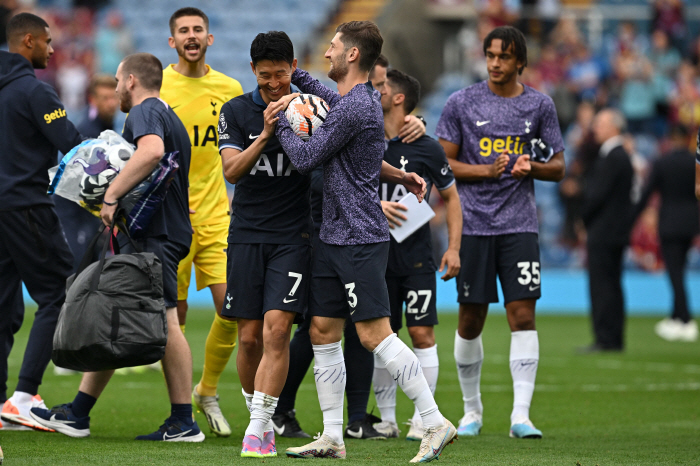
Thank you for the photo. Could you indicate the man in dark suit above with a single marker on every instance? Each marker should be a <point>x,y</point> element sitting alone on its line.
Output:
<point>679,222</point>
<point>606,214</point>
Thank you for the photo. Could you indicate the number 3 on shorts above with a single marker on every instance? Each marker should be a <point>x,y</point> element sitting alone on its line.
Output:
<point>352,301</point>
<point>526,277</point>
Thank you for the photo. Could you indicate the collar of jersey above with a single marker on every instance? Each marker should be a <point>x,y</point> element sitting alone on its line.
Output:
<point>257,98</point>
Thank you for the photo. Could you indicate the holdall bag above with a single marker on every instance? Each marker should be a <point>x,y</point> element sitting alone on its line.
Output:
<point>114,313</point>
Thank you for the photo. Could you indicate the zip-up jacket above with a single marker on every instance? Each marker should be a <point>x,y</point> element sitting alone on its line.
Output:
<point>33,128</point>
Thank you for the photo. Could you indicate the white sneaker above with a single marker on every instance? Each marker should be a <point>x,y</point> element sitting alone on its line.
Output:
<point>470,425</point>
<point>415,430</point>
<point>322,447</point>
<point>18,413</point>
<point>388,428</point>
<point>209,405</point>
<point>7,425</point>
<point>676,330</point>
<point>434,441</point>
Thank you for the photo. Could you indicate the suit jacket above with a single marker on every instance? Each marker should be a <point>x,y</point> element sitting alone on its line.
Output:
<point>607,207</point>
<point>673,176</point>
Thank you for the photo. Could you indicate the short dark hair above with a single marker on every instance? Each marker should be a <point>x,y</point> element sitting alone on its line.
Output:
<point>146,67</point>
<point>24,23</point>
<point>187,11</point>
<point>509,35</point>
<point>275,46</point>
<point>381,61</point>
<point>366,37</point>
<point>406,85</point>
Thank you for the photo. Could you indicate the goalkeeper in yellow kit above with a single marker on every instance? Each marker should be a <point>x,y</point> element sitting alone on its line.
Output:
<point>196,93</point>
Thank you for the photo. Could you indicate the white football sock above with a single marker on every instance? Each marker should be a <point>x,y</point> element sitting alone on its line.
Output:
<point>428,358</point>
<point>404,367</point>
<point>384,391</point>
<point>21,398</point>
<point>262,408</point>
<point>329,372</point>
<point>469,356</point>
<point>248,399</point>
<point>524,359</point>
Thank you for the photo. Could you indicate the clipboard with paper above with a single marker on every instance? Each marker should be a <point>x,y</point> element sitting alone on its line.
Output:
<point>417,214</point>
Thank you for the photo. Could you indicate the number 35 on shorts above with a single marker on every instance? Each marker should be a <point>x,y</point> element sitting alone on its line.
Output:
<point>529,274</point>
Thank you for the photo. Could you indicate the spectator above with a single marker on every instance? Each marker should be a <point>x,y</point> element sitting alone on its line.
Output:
<point>668,16</point>
<point>637,100</point>
<point>112,43</point>
<point>606,211</point>
<point>586,73</point>
<point>672,176</point>
<point>501,12</point>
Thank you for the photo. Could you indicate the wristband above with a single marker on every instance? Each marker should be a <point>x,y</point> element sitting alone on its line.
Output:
<point>111,204</point>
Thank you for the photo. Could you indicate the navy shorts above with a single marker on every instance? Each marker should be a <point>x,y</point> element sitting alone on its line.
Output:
<point>418,292</point>
<point>349,281</point>
<point>261,277</point>
<point>170,255</point>
<point>514,258</point>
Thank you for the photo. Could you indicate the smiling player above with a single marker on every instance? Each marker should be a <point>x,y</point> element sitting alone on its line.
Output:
<point>485,130</point>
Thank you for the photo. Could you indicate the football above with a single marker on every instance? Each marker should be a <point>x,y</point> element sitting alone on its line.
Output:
<point>305,114</point>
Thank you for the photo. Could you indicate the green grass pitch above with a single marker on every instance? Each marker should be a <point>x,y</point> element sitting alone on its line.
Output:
<point>636,408</point>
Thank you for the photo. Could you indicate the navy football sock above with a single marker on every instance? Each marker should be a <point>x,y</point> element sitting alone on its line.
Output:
<point>82,404</point>
<point>359,366</point>
<point>182,412</point>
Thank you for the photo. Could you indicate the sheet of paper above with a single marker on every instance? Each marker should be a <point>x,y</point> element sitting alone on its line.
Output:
<point>418,214</point>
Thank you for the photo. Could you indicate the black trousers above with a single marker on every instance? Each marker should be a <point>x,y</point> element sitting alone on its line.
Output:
<point>675,254</point>
<point>607,301</point>
<point>33,251</point>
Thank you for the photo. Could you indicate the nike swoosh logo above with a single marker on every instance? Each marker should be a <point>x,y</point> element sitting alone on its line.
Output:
<point>59,421</point>
<point>182,434</point>
<point>352,314</point>
<point>526,363</point>
<point>482,123</point>
<point>290,301</point>
<point>279,431</point>
<point>357,434</point>
<point>419,318</point>
<point>175,107</point>
<point>533,288</point>
<point>253,137</point>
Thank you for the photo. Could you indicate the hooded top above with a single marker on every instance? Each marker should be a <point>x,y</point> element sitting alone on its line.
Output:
<point>33,128</point>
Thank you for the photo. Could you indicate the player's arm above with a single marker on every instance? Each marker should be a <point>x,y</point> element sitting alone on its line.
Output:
<point>338,129</point>
<point>50,116</point>
<point>309,85</point>
<point>411,181</point>
<point>149,151</point>
<point>469,172</point>
<point>554,170</point>
<point>238,163</point>
<point>453,207</point>
<point>412,130</point>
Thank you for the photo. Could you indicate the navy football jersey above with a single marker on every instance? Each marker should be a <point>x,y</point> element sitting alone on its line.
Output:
<point>426,158</point>
<point>154,116</point>
<point>271,203</point>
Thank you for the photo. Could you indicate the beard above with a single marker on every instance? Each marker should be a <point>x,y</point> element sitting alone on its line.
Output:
<point>125,103</point>
<point>202,52</point>
<point>339,69</point>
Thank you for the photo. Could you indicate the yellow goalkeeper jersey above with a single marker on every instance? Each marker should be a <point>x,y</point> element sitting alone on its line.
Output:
<point>197,101</point>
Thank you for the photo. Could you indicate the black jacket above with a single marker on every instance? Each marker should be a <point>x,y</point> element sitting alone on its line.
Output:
<point>607,208</point>
<point>673,176</point>
<point>33,128</point>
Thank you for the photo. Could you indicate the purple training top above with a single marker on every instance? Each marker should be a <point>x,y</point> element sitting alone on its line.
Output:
<point>484,124</point>
<point>350,145</point>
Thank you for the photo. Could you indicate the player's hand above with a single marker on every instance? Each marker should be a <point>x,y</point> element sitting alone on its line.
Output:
<point>499,165</point>
<point>414,184</point>
<point>450,261</point>
<point>392,212</point>
<point>412,129</point>
<point>522,167</point>
<point>107,214</point>
<point>286,99</point>
<point>270,118</point>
